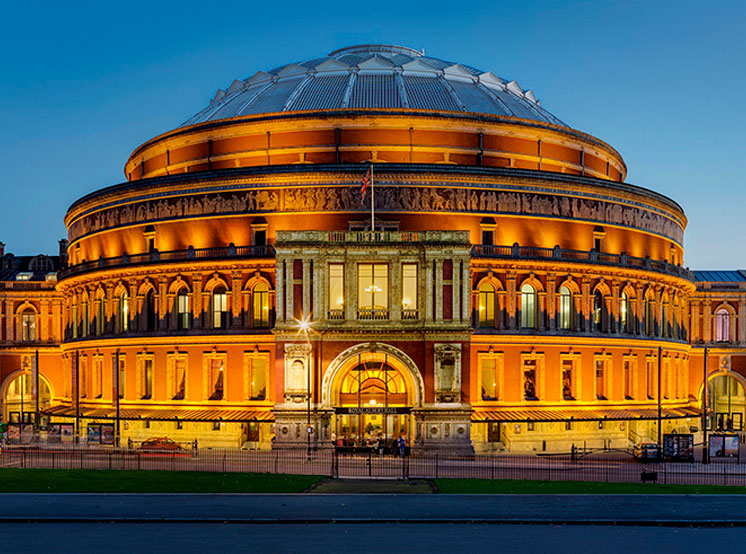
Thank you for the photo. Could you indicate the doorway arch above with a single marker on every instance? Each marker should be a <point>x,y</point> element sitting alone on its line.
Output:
<point>726,401</point>
<point>18,397</point>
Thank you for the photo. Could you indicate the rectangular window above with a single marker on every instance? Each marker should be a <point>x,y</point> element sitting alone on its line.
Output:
<point>121,377</point>
<point>628,379</point>
<point>177,373</point>
<point>487,237</point>
<point>336,291</point>
<point>258,379</point>
<point>666,378</point>
<point>601,384</point>
<point>147,379</point>
<point>568,379</point>
<point>488,377</point>
<point>98,376</point>
<point>409,291</point>
<point>216,426</point>
<point>183,313</point>
<point>83,377</point>
<point>219,310</point>
<point>529,380</point>
<point>215,378</point>
<point>373,291</point>
<point>650,378</point>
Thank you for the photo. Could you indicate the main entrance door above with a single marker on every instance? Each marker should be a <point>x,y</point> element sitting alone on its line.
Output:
<point>372,402</point>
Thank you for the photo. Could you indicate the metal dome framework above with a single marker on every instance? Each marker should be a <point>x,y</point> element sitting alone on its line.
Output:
<point>375,76</point>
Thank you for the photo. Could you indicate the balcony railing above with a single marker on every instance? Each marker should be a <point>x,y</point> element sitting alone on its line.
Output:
<point>409,314</point>
<point>190,254</point>
<point>566,255</point>
<point>372,314</point>
<point>336,314</point>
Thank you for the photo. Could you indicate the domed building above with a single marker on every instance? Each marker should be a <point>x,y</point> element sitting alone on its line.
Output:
<point>378,243</point>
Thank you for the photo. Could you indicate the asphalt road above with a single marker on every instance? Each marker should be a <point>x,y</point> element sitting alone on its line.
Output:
<point>112,538</point>
<point>674,510</point>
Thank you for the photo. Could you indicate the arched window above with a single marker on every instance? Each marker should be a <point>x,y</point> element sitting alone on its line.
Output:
<point>260,305</point>
<point>219,308</point>
<point>599,312</point>
<point>86,321</point>
<point>28,325</point>
<point>123,316</point>
<point>722,325</point>
<point>486,305</point>
<point>183,313</point>
<point>528,306</point>
<point>100,316</point>
<point>149,315</point>
<point>566,308</point>
<point>664,332</point>
<point>625,316</point>
<point>649,319</point>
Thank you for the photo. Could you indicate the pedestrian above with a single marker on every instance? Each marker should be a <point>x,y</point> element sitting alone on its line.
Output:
<point>334,439</point>
<point>380,445</point>
<point>402,446</point>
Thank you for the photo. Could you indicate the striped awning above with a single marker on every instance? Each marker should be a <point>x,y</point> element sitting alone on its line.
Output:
<point>166,414</point>
<point>559,414</point>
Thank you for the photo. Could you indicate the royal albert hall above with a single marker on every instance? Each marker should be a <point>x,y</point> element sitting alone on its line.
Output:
<point>506,290</point>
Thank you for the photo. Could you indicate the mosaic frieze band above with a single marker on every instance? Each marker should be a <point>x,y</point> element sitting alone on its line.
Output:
<point>387,198</point>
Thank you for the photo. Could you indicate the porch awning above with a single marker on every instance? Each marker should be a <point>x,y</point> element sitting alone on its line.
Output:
<point>228,415</point>
<point>551,414</point>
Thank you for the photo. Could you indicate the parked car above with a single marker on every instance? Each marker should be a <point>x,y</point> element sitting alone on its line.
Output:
<point>160,444</point>
<point>646,451</point>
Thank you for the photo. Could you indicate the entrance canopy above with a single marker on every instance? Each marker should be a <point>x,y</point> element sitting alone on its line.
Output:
<point>519,415</point>
<point>187,414</point>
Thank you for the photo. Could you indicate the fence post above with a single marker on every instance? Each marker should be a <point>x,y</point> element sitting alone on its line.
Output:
<point>52,460</point>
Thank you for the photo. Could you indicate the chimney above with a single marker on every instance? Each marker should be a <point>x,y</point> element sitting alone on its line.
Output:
<point>2,249</point>
<point>63,252</point>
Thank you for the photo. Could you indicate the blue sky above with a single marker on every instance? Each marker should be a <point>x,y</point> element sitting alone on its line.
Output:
<point>82,84</point>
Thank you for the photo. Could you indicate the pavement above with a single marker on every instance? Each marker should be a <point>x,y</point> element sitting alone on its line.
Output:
<point>629,510</point>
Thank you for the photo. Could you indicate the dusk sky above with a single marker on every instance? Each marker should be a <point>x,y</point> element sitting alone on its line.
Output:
<point>82,84</point>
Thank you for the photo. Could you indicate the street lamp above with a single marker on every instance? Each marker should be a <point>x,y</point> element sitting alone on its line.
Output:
<point>304,326</point>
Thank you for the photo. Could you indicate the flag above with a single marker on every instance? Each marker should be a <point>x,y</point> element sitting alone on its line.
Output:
<point>366,182</point>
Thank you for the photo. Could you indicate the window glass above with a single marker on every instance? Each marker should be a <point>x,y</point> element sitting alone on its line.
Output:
<point>600,380</point>
<point>488,378</point>
<point>28,325</point>
<point>627,379</point>
<point>373,287</point>
<point>568,381</point>
<point>260,299</point>
<point>528,306</point>
<point>215,379</point>
<point>336,290</point>
<point>147,377</point>
<point>409,287</point>
<point>179,383</point>
<point>183,313</point>
<point>258,379</point>
<point>722,325</point>
<point>624,312</point>
<point>486,305</point>
<point>219,309</point>
<point>566,308</point>
<point>529,380</point>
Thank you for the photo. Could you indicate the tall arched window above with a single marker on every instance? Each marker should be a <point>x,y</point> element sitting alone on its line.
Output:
<point>149,315</point>
<point>219,308</point>
<point>100,316</point>
<point>28,325</point>
<point>722,325</point>
<point>123,315</point>
<point>599,311</point>
<point>183,312</point>
<point>528,306</point>
<point>260,305</point>
<point>625,316</point>
<point>86,319</point>
<point>566,308</point>
<point>486,305</point>
<point>649,318</point>
<point>664,318</point>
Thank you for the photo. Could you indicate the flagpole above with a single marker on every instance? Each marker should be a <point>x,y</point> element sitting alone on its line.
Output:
<point>372,201</point>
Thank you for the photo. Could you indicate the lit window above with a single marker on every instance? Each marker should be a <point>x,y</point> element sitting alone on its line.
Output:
<point>98,376</point>
<point>566,310</point>
<point>146,376</point>
<point>373,291</point>
<point>177,377</point>
<point>100,316</point>
<point>529,380</point>
<point>649,319</point>
<point>219,309</point>
<point>722,325</point>
<point>409,291</point>
<point>183,313</point>
<point>215,378</point>
<point>488,377</point>
<point>650,378</point>
<point>601,376</point>
<point>599,311</point>
<point>28,325</point>
<point>258,378</point>
<point>568,380</point>
<point>528,306</point>
<point>625,318</point>
<point>260,305</point>
<point>122,377</point>
<point>122,320</point>
<point>628,379</point>
<point>486,305</point>
<point>336,291</point>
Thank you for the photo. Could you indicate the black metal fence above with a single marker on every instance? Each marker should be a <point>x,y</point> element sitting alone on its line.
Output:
<point>609,466</point>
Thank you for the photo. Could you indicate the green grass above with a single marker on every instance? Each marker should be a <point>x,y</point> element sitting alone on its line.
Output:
<point>507,486</point>
<point>93,481</point>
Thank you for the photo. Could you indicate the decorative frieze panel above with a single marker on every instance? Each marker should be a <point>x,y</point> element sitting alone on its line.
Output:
<point>297,366</point>
<point>447,372</point>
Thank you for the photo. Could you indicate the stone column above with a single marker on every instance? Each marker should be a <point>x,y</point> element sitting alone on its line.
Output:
<point>429,284</point>
<point>615,288</point>
<point>586,292</point>
<point>552,300</point>
<point>56,321</point>
<point>439,290</point>
<point>742,321</point>
<point>455,284</point>
<point>109,308</point>
<point>197,300</point>
<point>306,287</point>
<point>133,312</point>
<point>511,299</point>
<point>279,299</point>
<point>162,304</point>
<point>466,292</point>
<point>44,323</point>
<point>707,321</point>
<point>236,304</point>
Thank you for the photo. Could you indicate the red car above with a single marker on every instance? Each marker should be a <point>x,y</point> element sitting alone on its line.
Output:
<point>160,444</point>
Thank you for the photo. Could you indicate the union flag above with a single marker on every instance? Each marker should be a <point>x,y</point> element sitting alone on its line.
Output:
<point>366,182</point>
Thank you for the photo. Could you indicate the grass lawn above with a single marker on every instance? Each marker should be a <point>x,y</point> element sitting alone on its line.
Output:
<point>487,486</point>
<point>91,480</point>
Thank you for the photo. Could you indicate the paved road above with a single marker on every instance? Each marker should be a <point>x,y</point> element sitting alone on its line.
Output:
<point>310,508</point>
<point>362,538</point>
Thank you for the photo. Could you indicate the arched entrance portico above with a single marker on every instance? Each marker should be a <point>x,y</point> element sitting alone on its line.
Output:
<point>372,389</point>
<point>17,393</point>
<point>726,401</point>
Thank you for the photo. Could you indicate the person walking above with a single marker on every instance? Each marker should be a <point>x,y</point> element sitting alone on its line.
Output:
<point>402,446</point>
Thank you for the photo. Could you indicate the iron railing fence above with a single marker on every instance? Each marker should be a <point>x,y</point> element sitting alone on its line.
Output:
<point>605,466</point>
